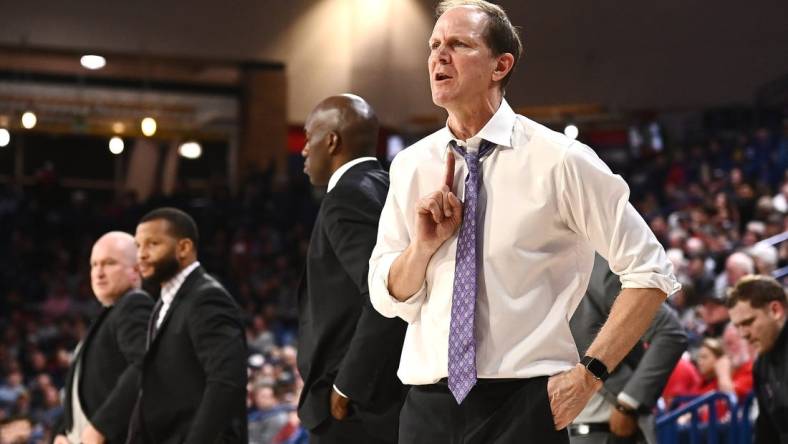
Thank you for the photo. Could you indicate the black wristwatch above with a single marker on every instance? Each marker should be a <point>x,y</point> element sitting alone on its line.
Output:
<point>596,367</point>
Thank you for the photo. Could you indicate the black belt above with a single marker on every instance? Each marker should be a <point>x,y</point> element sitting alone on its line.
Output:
<point>484,381</point>
<point>586,428</point>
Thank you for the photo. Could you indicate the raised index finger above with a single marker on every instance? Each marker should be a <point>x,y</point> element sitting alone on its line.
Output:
<point>449,179</point>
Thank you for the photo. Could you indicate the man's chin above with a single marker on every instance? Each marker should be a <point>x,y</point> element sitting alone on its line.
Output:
<point>441,97</point>
<point>104,299</point>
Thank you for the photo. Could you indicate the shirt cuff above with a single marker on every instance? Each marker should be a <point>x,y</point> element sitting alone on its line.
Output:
<point>667,283</point>
<point>384,302</point>
<point>627,400</point>
<point>336,389</point>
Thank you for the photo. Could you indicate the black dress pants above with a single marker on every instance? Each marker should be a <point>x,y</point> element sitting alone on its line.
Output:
<point>348,431</point>
<point>496,411</point>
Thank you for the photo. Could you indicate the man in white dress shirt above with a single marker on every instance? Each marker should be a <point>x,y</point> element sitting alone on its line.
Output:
<point>485,247</point>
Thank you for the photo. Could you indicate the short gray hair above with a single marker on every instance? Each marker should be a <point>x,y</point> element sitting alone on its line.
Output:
<point>500,35</point>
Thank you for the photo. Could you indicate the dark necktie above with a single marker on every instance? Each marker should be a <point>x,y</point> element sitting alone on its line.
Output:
<point>152,329</point>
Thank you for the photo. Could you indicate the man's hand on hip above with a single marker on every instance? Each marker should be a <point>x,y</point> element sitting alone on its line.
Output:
<point>569,393</point>
<point>622,424</point>
<point>92,436</point>
<point>339,405</point>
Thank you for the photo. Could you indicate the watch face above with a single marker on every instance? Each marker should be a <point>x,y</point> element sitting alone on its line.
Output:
<point>596,367</point>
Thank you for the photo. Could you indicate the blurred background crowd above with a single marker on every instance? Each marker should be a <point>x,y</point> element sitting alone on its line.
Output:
<point>721,216</point>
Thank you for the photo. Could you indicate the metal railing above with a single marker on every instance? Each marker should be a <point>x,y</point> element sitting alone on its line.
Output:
<point>733,428</point>
<point>774,241</point>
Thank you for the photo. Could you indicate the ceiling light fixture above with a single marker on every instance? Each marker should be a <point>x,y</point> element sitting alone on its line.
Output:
<point>148,126</point>
<point>29,119</point>
<point>93,62</point>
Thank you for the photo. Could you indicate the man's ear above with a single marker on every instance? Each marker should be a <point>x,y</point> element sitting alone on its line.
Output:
<point>333,142</point>
<point>184,248</point>
<point>776,310</point>
<point>503,66</point>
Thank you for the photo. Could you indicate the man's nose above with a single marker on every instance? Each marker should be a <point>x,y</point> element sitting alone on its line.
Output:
<point>440,55</point>
<point>443,55</point>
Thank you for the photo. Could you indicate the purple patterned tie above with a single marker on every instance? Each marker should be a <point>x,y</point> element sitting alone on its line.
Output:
<point>462,342</point>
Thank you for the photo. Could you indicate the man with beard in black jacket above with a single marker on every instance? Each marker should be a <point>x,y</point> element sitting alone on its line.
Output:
<point>193,386</point>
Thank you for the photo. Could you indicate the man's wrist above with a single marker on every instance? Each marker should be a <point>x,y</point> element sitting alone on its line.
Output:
<point>588,378</point>
<point>339,392</point>
<point>422,251</point>
<point>627,410</point>
<point>595,367</point>
<point>628,401</point>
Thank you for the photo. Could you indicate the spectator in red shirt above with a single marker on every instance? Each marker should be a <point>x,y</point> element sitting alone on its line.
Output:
<point>684,381</point>
<point>718,372</point>
<point>719,375</point>
<point>741,357</point>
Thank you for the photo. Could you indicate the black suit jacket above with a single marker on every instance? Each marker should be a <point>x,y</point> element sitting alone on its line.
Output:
<point>194,372</point>
<point>342,339</point>
<point>110,357</point>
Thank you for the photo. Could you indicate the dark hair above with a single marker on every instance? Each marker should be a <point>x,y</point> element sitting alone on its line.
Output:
<point>500,35</point>
<point>714,346</point>
<point>758,290</point>
<point>181,225</point>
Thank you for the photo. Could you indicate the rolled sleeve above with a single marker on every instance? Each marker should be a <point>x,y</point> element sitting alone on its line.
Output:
<point>595,205</point>
<point>393,238</point>
<point>660,280</point>
<point>383,301</point>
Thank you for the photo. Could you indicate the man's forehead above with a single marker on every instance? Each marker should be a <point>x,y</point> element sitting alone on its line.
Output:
<point>154,226</point>
<point>107,251</point>
<point>112,244</point>
<point>460,20</point>
<point>742,311</point>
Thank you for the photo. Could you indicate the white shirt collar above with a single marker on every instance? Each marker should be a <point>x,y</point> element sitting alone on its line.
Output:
<point>332,182</point>
<point>170,288</point>
<point>498,129</point>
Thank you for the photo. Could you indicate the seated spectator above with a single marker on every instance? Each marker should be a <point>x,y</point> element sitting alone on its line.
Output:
<point>718,372</point>
<point>742,358</point>
<point>765,257</point>
<point>714,314</point>
<point>780,200</point>
<point>737,266</point>
<point>11,389</point>
<point>51,411</point>
<point>719,375</point>
<point>684,381</point>
<point>699,276</point>
<point>259,337</point>
<point>753,233</point>
<point>267,417</point>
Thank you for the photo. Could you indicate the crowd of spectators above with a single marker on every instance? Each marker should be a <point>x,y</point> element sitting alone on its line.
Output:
<point>720,211</point>
<point>711,205</point>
